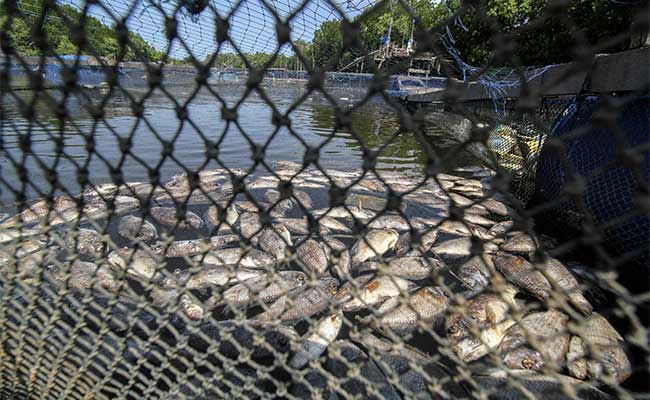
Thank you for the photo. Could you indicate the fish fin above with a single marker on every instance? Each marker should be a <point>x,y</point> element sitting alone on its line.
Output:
<point>490,316</point>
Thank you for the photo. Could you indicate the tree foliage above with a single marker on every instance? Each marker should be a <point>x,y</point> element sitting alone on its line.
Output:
<point>25,26</point>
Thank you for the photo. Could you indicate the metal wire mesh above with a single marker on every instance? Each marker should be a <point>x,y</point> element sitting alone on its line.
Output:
<point>214,210</point>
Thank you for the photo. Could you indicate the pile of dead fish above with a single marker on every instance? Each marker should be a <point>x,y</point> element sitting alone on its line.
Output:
<point>365,269</point>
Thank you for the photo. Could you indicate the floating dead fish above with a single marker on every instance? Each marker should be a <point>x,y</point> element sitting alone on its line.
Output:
<point>228,220</point>
<point>83,275</point>
<point>315,344</point>
<point>472,348</point>
<point>497,207</point>
<point>607,359</point>
<point>168,295</point>
<point>261,289</point>
<point>140,263</point>
<point>406,247</point>
<point>249,224</point>
<point>393,222</point>
<point>168,216</point>
<point>221,275</point>
<point>449,177</point>
<point>302,303</point>
<point>352,287</point>
<point>192,247</point>
<point>478,220</point>
<point>136,228</point>
<point>475,273</point>
<point>126,204</point>
<point>575,358</point>
<point>250,206</point>
<point>300,226</point>
<point>303,198</point>
<point>275,241</point>
<point>522,273</point>
<point>87,242</point>
<point>377,290</point>
<point>481,312</point>
<point>413,268</point>
<point>263,182</point>
<point>374,244</point>
<point>333,225</point>
<point>423,306</point>
<point>367,202</point>
<point>312,257</point>
<point>522,243</point>
<point>250,258</point>
<point>339,257</point>
<point>344,212</point>
<point>501,228</point>
<point>463,247</point>
<point>558,275</point>
<point>538,340</point>
<point>372,185</point>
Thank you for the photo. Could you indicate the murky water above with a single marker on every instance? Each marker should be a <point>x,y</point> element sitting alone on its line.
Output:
<point>103,137</point>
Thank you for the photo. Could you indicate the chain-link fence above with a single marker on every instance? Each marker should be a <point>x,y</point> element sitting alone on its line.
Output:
<point>210,199</point>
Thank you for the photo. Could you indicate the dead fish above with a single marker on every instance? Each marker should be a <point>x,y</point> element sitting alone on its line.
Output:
<point>303,198</point>
<point>333,225</point>
<point>475,273</point>
<point>249,224</point>
<point>575,358</point>
<point>449,177</point>
<point>136,228</point>
<point>497,207</point>
<point>394,222</point>
<point>406,247</point>
<point>375,243</point>
<point>538,340</point>
<point>522,243</point>
<point>181,248</point>
<point>368,202</point>
<point>463,247</point>
<point>216,216</point>
<point>478,219</point>
<point>345,212</point>
<point>352,287</point>
<point>315,344</point>
<point>377,290</point>
<point>250,206</point>
<point>141,263</point>
<point>460,200</point>
<point>275,241</point>
<point>273,197</point>
<point>83,275</point>
<point>168,216</point>
<point>263,182</point>
<point>501,228</point>
<point>250,258</point>
<point>125,204</point>
<point>471,348</point>
<point>261,289</point>
<point>221,275</point>
<point>423,306</point>
<point>607,359</point>
<point>303,303</point>
<point>414,268</point>
<point>167,295</point>
<point>339,257</point>
<point>87,242</point>
<point>372,185</point>
<point>300,226</point>
<point>40,209</point>
<point>481,312</point>
<point>558,275</point>
<point>522,273</point>
<point>445,184</point>
<point>313,257</point>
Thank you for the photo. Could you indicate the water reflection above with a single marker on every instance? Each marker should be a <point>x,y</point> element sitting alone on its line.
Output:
<point>101,134</point>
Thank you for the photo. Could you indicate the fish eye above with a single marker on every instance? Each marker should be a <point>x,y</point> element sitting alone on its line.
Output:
<point>283,341</point>
<point>452,328</point>
<point>527,363</point>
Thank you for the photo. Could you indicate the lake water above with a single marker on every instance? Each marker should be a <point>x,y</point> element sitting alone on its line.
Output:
<point>94,144</point>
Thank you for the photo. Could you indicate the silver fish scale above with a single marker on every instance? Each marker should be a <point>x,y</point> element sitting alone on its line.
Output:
<point>324,199</point>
